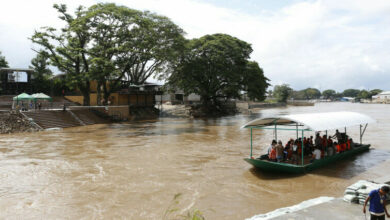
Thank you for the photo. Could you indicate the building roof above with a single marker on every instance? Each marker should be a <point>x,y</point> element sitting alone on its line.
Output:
<point>314,121</point>
<point>384,93</point>
<point>16,70</point>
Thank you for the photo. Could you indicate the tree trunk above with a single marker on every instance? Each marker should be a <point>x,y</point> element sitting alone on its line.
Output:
<point>106,92</point>
<point>98,94</point>
<point>86,94</point>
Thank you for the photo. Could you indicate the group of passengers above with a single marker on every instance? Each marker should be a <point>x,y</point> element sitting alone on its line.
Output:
<point>317,149</point>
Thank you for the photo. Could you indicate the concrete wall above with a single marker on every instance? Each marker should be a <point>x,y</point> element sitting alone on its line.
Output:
<point>110,110</point>
<point>123,110</point>
<point>118,99</point>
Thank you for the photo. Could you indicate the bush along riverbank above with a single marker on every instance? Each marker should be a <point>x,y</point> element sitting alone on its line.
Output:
<point>15,122</point>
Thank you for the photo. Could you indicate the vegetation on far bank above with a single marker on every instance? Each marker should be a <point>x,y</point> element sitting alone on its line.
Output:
<point>283,92</point>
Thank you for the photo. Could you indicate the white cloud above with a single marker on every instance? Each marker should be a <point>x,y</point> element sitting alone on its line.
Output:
<point>324,44</point>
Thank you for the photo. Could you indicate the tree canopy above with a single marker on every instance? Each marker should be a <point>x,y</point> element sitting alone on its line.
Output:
<point>351,92</point>
<point>217,67</point>
<point>109,43</point>
<point>282,92</point>
<point>3,62</point>
<point>329,94</point>
<point>42,73</point>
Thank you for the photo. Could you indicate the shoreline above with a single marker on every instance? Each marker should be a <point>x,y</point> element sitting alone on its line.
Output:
<point>318,208</point>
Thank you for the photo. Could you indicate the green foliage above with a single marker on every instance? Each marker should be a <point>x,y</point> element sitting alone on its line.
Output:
<point>217,68</point>
<point>282,92</point>
<point>254,81</point>
<point>351,92</point>
<point>364,94</point>
<point>309,93</point>
<point>67,49</point>
<point>107,43</point>
<point>42,74</point>
<point>3,62</point>
<point>375,92</point>
<point>312,93</point>
<point>329,94</point>
<point>129,43</point>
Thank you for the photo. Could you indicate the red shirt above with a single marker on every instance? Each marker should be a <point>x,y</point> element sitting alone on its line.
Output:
<point>272,154</point>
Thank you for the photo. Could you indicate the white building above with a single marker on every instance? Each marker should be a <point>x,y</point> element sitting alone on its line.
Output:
<point>382,97</point>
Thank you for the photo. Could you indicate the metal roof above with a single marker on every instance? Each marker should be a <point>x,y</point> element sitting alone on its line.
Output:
<point>16,70</point>
<point>314,121</point>
<point>384,93</point>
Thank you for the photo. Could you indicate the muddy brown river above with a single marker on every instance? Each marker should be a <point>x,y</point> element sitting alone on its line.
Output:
<point>133,170</point>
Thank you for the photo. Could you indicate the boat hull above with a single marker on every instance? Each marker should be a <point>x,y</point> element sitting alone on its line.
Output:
<point>292,168</point>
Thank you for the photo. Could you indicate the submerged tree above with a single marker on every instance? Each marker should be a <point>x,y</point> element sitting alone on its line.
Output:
<point>217,68</point>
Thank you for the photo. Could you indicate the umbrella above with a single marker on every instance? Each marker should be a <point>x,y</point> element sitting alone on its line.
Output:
<point>41,96</point>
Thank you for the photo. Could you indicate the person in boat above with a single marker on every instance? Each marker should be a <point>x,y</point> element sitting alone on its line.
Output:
<point>294,156</point>
<point>287,150</point>
<point>324,145</point>
<point>306,146</point>
<point>311,141</point>
<point>316,155</point>
<point>338,147</point>
<point>351,143</point>
<point>273,143</point>
<point>377,199</point>
<point>338,136</point>
<point>330,148</point>
<point>343,146</point>
<point>272,154</point>
<point>318,141</point>
<point>279,151</point>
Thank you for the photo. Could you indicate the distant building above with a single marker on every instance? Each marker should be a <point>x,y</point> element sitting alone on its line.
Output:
<point>347,99</point>
<point>177,97</point>
<point>14,81</point>
<point>131,95</point>
<point>383,97</point>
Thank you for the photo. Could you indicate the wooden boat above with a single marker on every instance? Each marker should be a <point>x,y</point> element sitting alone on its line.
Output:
<point>308,122</point>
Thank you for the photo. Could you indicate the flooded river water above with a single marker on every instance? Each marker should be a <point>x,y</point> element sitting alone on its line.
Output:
<point>134,170</point>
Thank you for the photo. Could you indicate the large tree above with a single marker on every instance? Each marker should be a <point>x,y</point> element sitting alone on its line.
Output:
<point>254,82</point>
<point>217,68</point>
<point>364,94</point>
<point>42,74</point>
<point>351,92</point>
<point>109,43</point>
<point>67,49</point>
<point>329,94</point>
<point>129,44</point>
<point>282,92</point>
<point>3,62</point>
<point>375,92</point>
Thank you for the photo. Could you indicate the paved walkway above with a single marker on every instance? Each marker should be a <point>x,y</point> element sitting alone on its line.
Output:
<point>335,209</point>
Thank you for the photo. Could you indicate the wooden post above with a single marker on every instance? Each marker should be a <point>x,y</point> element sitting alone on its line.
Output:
<point>276,134</point>
<point>251,143</point>
<point>303,161</point>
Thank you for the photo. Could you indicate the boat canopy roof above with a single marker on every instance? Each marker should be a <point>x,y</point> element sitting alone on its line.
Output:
<point>314,121</point>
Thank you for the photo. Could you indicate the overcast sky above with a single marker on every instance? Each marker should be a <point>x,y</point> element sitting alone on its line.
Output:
<point>336,44</point>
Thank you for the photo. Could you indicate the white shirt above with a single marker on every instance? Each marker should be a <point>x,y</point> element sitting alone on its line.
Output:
<point>317,154</point>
